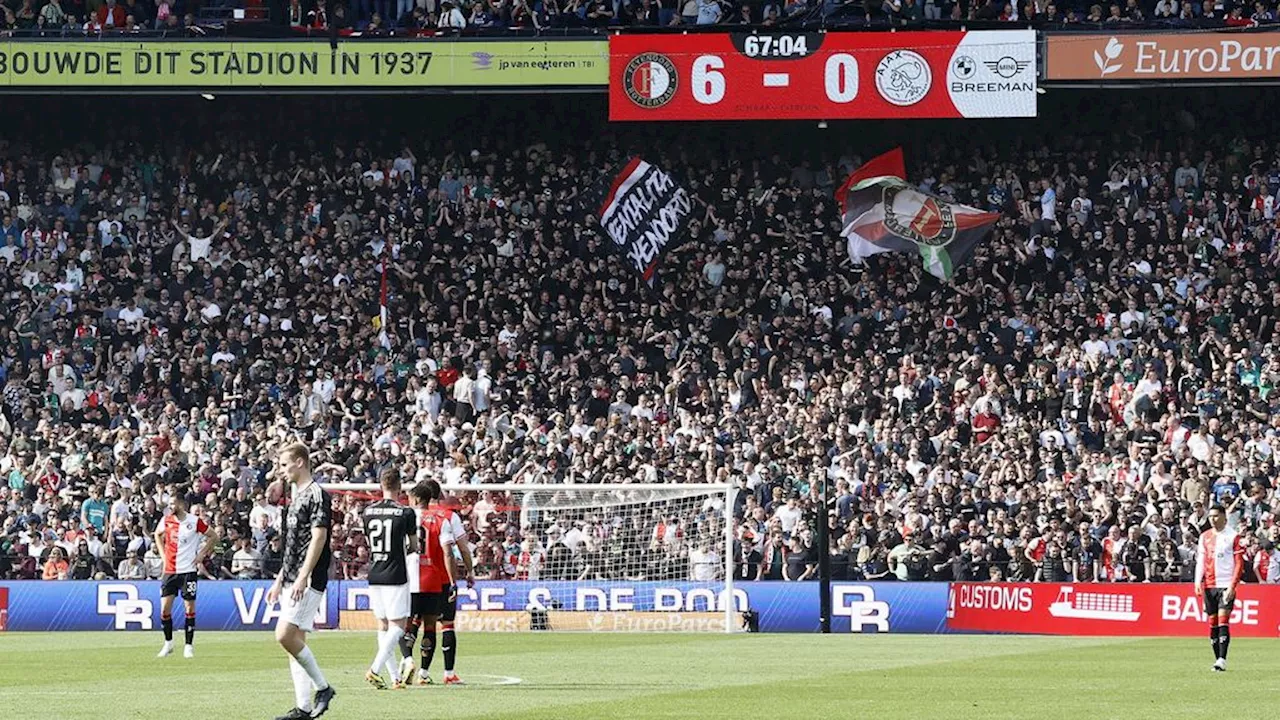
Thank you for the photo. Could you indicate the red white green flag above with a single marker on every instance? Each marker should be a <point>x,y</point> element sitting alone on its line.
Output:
<point>882,213</point>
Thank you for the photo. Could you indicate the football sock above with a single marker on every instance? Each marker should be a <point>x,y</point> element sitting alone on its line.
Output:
<point>393,670</point>
<point>189,631</point>
<point>308,663</point>
<point>302,687</point>
<point>166,622</point>
<point>1224,639</point>
<point>386,648</point>
<point>1214,640</point>
<point>449,644</point>
<point>428,648</point>
<point>409,637</point>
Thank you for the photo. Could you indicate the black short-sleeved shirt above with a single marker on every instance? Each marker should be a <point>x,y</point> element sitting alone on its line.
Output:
<point>386,525</point>
<point>311,507</point>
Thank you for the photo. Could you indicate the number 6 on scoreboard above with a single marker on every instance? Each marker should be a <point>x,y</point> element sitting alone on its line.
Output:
<point>708,81</point>
<point>841,78</point>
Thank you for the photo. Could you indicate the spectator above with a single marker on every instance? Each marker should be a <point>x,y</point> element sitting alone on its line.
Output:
<point>451,16</point>
<point>109,15</point>
<point>94,511</point>
<point>56,567</point>
<point>132,568</point>
<point>246,564</point>
<point>52,15</point>
<point>709,12</point>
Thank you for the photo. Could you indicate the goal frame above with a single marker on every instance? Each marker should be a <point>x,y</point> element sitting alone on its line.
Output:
<point>725,490</point>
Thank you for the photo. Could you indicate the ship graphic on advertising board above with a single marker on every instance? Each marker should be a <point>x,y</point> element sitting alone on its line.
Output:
<point>1116,607</point>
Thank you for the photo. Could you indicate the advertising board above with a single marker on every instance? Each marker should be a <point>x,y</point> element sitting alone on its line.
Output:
<point>1163,57</point>
<point>1105,609</point>
<point>301,64</point>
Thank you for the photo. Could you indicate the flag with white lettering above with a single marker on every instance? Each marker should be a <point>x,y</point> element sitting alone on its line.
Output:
<point>644,213</point>
<point>882,213</point>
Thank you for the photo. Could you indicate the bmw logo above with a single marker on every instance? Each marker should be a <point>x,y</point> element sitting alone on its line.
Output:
<point>964,67</point>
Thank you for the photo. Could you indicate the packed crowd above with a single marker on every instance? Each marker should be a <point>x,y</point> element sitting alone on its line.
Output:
<point>383,16</point>
<point>176,306</point>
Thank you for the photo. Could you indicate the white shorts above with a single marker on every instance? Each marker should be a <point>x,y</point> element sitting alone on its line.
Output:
<point>303,612</point>
<point>389,602</point>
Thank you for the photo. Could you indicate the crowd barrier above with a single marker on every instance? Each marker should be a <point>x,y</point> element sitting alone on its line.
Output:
<point>1048,608</point>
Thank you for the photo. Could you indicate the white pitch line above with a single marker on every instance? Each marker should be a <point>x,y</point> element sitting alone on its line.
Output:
<point>491,680</point>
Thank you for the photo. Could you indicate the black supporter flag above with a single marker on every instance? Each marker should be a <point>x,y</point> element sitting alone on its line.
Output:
<point>644,214</point>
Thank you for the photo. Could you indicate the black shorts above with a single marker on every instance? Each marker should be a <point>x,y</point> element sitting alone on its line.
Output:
<point>1214,602</point>
<point>437,604</point>
<point>178,583</point>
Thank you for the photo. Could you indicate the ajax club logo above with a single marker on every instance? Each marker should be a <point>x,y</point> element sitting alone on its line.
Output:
<point>903,77</point>
<point>650,80</point>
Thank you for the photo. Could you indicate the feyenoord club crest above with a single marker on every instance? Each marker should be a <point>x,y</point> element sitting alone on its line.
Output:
<point>918,217</point>
<point>650,80</point>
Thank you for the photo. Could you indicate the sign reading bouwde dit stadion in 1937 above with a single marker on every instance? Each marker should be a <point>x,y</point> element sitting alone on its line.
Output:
<point>267,64</point>
<point>823,76</point>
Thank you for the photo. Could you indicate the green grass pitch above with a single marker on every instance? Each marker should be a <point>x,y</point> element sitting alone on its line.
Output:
<point>110,676</point>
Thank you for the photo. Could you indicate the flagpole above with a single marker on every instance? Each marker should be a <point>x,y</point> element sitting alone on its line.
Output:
<point>383,314</point>
<point>824,561</point>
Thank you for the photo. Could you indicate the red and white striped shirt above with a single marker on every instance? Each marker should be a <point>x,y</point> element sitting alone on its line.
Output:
<point>1112,569</point>
<point>181,542</point>
<point>1262,566</point>
<point>1219,559</point>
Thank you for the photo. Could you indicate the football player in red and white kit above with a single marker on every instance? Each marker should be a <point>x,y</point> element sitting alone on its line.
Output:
<point>435,597</point>
<point>184,541</point>
<point>1219,565</point>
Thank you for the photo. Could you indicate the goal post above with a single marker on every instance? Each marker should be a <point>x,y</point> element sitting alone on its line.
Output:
<point>602,557</point>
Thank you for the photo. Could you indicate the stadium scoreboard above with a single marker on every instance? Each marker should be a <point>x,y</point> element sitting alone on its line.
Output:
<point>822,76</point>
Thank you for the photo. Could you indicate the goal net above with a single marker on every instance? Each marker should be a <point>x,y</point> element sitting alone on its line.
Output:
<point>582,557</point>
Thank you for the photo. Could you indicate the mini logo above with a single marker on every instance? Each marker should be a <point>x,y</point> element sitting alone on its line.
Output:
<point>1106,66</point>
<point>1006,67</point>
<point>482,60</point>
<point>918,217</point>
<point>903,77</point>
<point>964,67</point>
<point>650,80</point>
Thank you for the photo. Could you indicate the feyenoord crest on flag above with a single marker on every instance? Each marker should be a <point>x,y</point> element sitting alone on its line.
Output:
<point>882,213</point>
<point>643,213</point>
<point>918,217</point>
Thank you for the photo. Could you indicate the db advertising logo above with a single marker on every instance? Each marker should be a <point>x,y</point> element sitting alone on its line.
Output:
<point>859,604</point>
<point>120,601</point>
